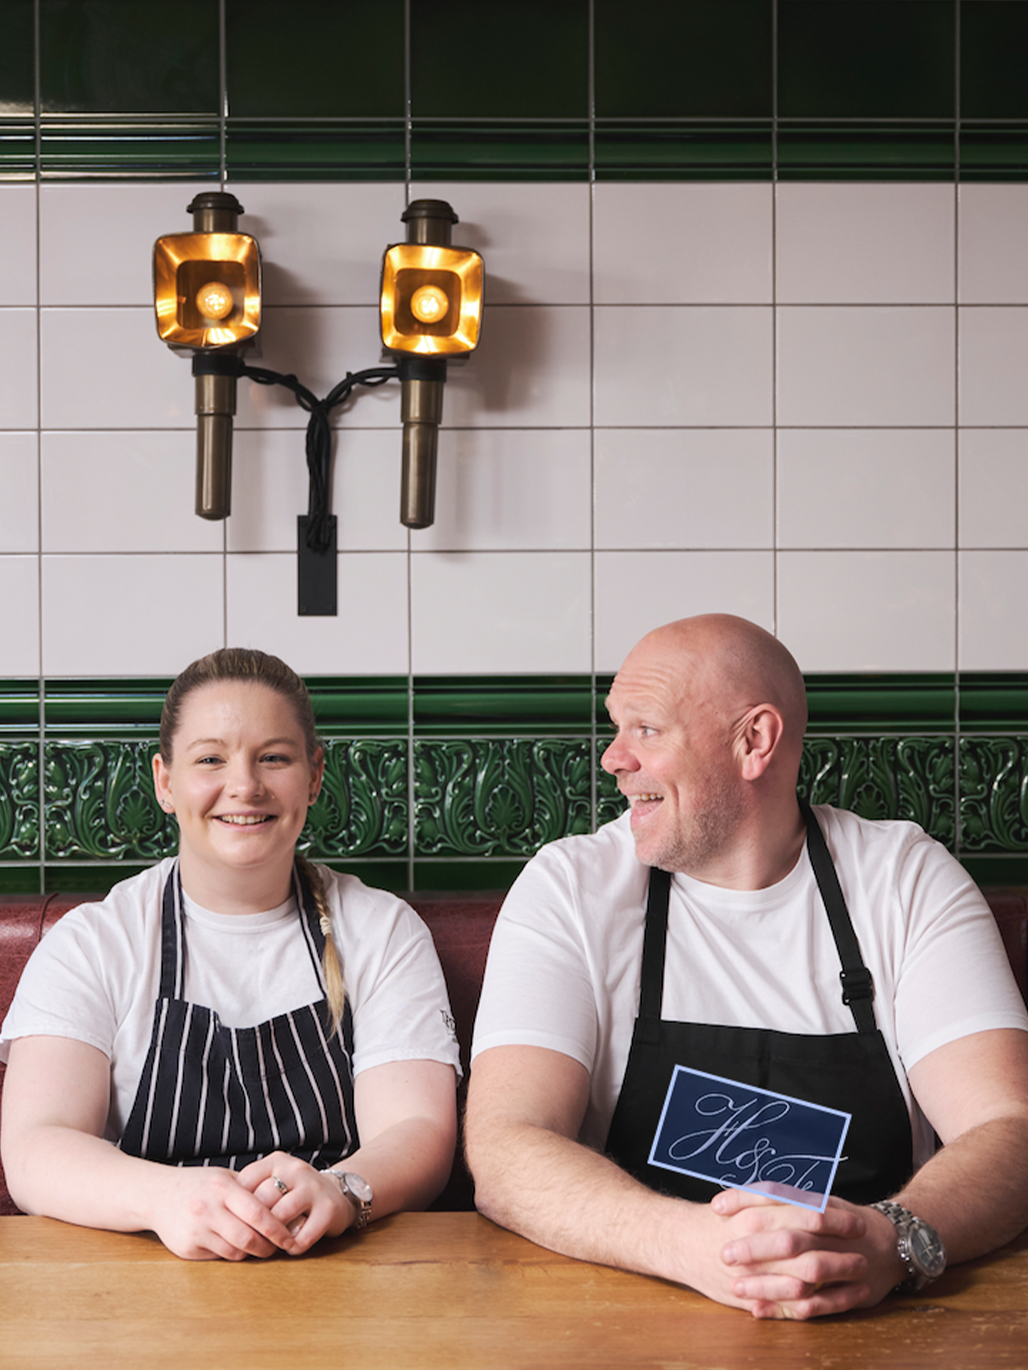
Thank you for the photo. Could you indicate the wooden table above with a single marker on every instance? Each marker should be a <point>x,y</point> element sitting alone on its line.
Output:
<point>453,1292</point>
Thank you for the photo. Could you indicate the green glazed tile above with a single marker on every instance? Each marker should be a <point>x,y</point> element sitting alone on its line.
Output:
<point>993,47</point>
<point>17,150</point>
<point>305,151</point>
<point>365,704</point>
<point>19,705</point>
<point>996,871</point>
<point>473,704</point>
<point>314,60</point>
<point>494,151</point>
<point>100,803</point>
<point>994,152</point>
<point>523,60</point>
<point>380,875</point>
<point>77,705</point>
<point>19,800</point>
<point>994,701</point>
<point>111,149</point>
<point>862,151</point>
<point>363,808</point>
<point>881,703</point>
<point>93,879</point>
<point>499,797</point>
<point>128,57</point>
<point>17,57</point>
<point>20,879</point>
<point>884,777</point>
<point>865,59</point>
<point>993,794</point>
<point>466,875</point>
<point>646,151</point>
<point>690,58</point>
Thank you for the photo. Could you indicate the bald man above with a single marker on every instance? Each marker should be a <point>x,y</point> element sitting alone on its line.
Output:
<point>753,907</point>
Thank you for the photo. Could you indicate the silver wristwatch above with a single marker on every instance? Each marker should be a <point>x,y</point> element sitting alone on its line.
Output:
<point>358,1191</point>
<point>918,1244</point>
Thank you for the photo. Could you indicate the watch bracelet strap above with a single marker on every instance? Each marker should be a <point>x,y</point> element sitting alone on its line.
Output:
<point>362,1207</point>
<point>897,1214</point>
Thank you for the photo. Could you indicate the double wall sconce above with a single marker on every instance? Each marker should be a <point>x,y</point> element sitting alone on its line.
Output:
<point>207,295</point>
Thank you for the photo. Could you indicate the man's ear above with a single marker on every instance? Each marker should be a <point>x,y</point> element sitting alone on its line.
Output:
<point>759,734</point>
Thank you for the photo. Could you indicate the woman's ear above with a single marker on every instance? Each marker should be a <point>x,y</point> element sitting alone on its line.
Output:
<point>162,784</point>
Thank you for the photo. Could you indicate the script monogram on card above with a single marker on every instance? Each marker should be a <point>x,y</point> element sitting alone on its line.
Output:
<point>743,1137</point>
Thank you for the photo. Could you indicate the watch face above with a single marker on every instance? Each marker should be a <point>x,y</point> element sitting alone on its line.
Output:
<point>926,1250</point>
<point>358,1187</point>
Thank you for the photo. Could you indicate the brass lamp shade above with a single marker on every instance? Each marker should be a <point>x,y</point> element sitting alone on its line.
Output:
<point>207,289</point>
<point>431,299</point>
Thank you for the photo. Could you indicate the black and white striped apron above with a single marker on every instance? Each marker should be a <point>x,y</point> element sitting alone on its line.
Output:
<point>214,1095</point>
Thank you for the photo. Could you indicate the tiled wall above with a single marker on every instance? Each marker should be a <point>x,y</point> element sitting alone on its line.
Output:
<point>755,341</point>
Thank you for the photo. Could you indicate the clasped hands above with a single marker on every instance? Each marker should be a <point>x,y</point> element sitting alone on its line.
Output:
<point>781,1261</point>
<point>209,1212</point>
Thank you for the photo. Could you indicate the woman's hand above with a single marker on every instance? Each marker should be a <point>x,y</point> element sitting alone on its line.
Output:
<point>207,1213</point>
<point>308,1203</point>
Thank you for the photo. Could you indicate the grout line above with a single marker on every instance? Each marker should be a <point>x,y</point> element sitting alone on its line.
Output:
<point>222,95</point>
<point>594,726</point>
<point>37,101</point>
<point>956,435</point>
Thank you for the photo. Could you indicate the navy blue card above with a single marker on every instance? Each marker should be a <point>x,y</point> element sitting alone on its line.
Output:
<point>742,1137</point>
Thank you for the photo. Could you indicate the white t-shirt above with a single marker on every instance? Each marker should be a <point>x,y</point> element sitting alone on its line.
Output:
<point>565,962</point>
<point>95,976</point>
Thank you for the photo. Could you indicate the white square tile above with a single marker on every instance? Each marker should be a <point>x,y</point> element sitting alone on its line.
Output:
<point>19,615</point>
<point>531,369</point>
<point>867,611</point>
<point>271,487</point>
<point>322,243</point>
<point>19,398</point>
<point>993,611</point>
<point>510,489</point>
<point>319,345</point>
<point>993,352</point>
<point>682,244</point>
<point>369,636</point>
<point>882,487</point>
<point>96,241</point>
<point>130,615</point>
<point>639,591</point>
<point>993,242</point>
<point>505,612</point>
<point>534,238</point>
<point>657,367</point>
<point>106,368</point>
<point>993,487</point>
<point>19,492</point>
<point>123,492</point>
<point>863,243</point>
<point>684,488</point>
<point>18,234</point>
<point>861,365</point>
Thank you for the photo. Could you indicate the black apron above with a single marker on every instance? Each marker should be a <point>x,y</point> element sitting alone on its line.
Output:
<point>213,1095</point>
<point>848,1071</point>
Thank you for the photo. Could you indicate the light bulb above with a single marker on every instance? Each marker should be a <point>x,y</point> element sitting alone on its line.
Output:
<point>429,304</point>
<point>214,300</point>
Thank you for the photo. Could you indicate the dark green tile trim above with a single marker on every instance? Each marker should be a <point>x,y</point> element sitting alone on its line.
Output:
<point>107,148</point>
<point>360,704</point>
<point>17,150</point>
<point>19,706</point>
<point>684,58</point>
<point>862,151</point>
<point>638,150</point>
<point>500,151</point>
<point>314,59</point>
<point>78,705</point>
<point>886,703</point>
<point>526,59</point>
<point>994,701</point>
<point>293,150</point>
<point>994,152</point>
<point>539,704</point>
<point>865,59</point>
<point>129,57</point>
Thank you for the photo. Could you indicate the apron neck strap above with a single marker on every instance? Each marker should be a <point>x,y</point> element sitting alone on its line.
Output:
<point>651,991</point>
<point>858,989</point>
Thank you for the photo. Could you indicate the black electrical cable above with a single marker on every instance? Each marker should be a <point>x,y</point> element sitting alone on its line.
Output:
<point>319,437</point>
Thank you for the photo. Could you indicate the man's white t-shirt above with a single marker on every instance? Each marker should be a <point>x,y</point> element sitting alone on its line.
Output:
<point>565,962</point>
<point>95,976</point>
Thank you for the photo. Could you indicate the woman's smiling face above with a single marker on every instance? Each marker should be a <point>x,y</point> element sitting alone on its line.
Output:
<point>239,782</point>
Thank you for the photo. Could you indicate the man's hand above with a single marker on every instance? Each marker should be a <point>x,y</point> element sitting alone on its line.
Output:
<point>783,1261</point>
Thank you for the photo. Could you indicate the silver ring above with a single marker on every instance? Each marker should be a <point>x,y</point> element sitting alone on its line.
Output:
<point>280,1185</point>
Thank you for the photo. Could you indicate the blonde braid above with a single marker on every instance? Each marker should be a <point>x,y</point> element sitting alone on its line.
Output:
<point>335,989</point>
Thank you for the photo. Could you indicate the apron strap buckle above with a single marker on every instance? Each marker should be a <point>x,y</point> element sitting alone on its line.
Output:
<point>857,984</point>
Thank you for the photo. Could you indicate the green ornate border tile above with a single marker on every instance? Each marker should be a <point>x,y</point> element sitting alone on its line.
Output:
<point>499,797</point>
<point>994,794</point>
<point>364,805</point>
<point>885,777</point>
<point>100,804</point>
<point>19,800</point>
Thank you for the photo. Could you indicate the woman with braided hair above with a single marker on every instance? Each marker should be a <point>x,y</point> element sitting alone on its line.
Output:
<point>236,1049</point>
